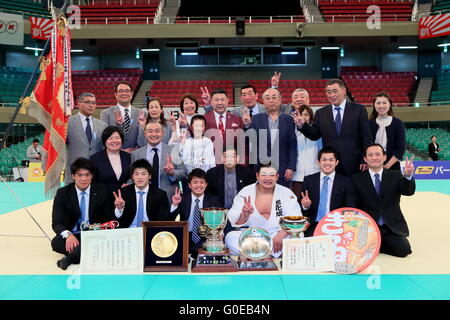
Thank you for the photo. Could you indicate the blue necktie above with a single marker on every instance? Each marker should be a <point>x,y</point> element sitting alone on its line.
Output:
<point>378,190</point>
<point>338,120</point>
<point>88,131</point>
<point>140,209</point>
<point>322,210</point>
<point>82,211</point>
<point>196,222</point>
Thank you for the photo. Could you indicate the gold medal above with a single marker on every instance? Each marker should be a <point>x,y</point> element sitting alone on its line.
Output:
<point>164,244</point>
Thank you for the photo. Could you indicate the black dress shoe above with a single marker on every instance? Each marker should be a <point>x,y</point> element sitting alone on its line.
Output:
<point>64,263</point>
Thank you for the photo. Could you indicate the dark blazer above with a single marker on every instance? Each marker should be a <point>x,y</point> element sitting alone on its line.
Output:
<point>286,140</point>
<point>396,138</point>
<point>105,173</point>
<point>393,185</point>
<point>355,135</point>
<point>341,194</point>
<point>432,151</point>
<point>216,177</point>
<point>157,205</point>
<point>66,209</point>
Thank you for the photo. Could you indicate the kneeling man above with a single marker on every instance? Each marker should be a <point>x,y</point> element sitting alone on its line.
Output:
<point>261,205</point>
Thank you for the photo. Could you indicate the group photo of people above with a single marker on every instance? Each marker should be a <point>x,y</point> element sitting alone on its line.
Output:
<point>134,165</point>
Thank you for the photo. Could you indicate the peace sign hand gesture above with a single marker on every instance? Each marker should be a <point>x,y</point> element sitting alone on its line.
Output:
<point>306,201</point>
<point>119,202</point>
<point>206,97</point>
<point>176,199</point>
<point>409,167</point>
<point>275,80</point>
<point>142,119</point>
<point>246,116</point>
<point>298,119</point>
<point>119,118</point>
<point>169,168</point>
<point>247,209</point>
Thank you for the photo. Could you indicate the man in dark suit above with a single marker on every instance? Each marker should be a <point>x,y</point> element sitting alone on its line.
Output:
<point>279,145</point>
<point>342,125</point>
<point>222,127</point>
<point>188,205</point>
<point>325,190</point>
<point>78,202</point>
<point>377,191</point>
<point>141,201</point>
<point>227,179</point>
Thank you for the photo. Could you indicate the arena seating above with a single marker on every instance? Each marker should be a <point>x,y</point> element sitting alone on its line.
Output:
<point>28,7</point>
<point>119,12</point>
<point>442,92</point>
<point>349,11</point>
<point>442,6</point>
<point>12,83</point>
<point>364,85</point>
<point>277,19</point>
<point>316,89</point>
<point>101,83</point>
<point>419,138</point>
<point>170,92</point>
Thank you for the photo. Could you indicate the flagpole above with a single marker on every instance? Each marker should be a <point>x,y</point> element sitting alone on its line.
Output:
<point>30,81</point>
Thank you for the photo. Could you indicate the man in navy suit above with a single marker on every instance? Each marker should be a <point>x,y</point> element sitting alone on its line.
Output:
<point>325,190</point>
<point>279,145</point>
<point>188,205</point>
<point>343,125</point>
<point>78,202</point>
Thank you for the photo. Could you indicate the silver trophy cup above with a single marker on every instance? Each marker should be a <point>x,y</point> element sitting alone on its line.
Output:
<point>295,225</point>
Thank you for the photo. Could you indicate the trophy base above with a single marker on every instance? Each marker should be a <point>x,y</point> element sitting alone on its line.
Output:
<point>245,264</point>
<point>214,262</point>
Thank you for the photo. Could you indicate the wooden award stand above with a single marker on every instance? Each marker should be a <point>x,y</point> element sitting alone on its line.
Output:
<point>214,262</point>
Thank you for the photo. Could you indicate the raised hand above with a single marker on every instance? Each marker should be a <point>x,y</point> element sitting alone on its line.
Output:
<point>119,202</point>
<point>119,118</point>
<point>298,119</point>
<point>246,116</point>
<point>206,97</point>
<point>306,201</point>
<point>172,120</point>
<point>169,168</point>
<point>142,119</point>
<point>247,209</point>
<point>409,167</point>
<point>176,199</point>
<point>275,80</point>
<point>183,120</point>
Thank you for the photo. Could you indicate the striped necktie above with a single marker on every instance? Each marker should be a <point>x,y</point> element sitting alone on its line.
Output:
<point>127,121</point>
<point>196,222</point>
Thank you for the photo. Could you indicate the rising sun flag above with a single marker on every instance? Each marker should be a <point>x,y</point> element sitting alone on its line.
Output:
<point>51,102</point>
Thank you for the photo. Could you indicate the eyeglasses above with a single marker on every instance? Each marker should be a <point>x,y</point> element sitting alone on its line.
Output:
<point>124,91</point>
<point>89,102</point>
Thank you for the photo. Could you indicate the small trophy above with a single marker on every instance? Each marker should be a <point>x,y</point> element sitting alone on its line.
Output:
<point>295,225</point>
<point>214,256</point>
<point>255,245</point>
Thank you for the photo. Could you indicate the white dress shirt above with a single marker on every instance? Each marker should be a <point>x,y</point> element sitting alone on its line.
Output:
<point>191,215</point>
<point>85,217</point>
<point>84,124</point>
<point>151,154</point>
<point>342,106</point>
<point>224,119</point>
<point>122,111</point>
<point>330,187</point>
<point>119,212</point>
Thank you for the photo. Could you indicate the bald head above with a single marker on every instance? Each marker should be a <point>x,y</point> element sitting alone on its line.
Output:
<point>272,100</point>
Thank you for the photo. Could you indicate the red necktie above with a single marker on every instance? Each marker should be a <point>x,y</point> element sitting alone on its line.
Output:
<point>221,128</point>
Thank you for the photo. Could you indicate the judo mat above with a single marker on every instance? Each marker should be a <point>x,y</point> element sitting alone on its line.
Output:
<point>28,265</point>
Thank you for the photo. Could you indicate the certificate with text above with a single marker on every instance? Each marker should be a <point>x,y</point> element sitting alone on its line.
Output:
<point>312,254</point>
<point>118,251</point>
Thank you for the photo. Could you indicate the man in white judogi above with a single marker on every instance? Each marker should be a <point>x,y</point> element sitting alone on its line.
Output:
<point>261,205</point>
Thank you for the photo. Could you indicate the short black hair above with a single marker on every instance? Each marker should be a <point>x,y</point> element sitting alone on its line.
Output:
<point>141,164</point>
<point>125,83</point>
<point>430,138</point>
<point>266,165</point>
<point>219,91</point>
<point>108,131</point>
<point>374,145</point>
<point>198,117</point>
<point>82,163</point>
<point>248,85</point>
<point>197,173</point>
<point>35,140</point>
<point>328,149</point>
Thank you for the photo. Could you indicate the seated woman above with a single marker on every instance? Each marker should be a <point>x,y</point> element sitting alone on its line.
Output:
<point>196,150</point>
<point>388,130</point>
<point>155,114</point>
<point>112,164</point>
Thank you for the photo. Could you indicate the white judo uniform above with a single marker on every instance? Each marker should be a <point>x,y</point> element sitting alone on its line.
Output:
<point>284,203</point>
